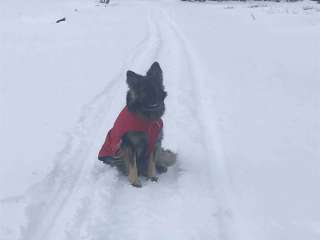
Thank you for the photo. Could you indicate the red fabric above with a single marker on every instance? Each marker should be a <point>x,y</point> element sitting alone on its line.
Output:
<point>128,121</point>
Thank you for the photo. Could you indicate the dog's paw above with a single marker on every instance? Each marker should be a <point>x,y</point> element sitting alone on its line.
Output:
<point>161,169</point>
<point>154,179</point>
<point>137,184</point>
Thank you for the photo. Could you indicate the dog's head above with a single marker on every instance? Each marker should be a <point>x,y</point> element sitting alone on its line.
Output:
<point>146,94</point>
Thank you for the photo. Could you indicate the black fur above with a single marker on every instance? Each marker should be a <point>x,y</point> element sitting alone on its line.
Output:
<point>146,94</point>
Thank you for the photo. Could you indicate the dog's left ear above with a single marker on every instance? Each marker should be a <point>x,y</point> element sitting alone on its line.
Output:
<point>133,79</point>
<point>155,72</point>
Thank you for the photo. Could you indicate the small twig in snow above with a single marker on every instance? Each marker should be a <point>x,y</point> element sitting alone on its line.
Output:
<point>61,20</point>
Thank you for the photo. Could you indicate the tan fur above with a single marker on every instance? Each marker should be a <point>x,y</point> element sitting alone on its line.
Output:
<point>131,162</point>
<point>151,173</point>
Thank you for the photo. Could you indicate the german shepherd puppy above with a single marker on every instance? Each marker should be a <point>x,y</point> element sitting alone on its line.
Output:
<point>135,139</point>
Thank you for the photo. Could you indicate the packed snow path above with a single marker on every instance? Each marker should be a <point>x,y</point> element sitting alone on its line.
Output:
<point>83,199</point>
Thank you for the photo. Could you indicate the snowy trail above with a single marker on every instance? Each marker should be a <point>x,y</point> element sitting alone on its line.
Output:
<point>81,198</point>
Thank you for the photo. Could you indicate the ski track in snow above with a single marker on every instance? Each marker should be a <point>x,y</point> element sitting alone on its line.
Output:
<point>83,199</point>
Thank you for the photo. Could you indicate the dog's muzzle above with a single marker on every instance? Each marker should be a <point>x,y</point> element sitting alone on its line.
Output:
<point>153,107</point>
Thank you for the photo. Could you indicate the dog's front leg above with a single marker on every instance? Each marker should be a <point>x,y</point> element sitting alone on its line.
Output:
<point>151,173</point>
<point>132,168</point>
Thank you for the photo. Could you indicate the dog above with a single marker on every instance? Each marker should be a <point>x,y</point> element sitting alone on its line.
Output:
<point>133,145</point>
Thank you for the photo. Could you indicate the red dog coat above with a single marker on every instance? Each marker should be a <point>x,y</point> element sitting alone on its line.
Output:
<point>126,122</point>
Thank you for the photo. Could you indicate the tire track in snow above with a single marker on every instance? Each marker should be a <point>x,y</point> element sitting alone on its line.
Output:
<point>206,118</point>
<point>149,49</point>
<point>149,53</point>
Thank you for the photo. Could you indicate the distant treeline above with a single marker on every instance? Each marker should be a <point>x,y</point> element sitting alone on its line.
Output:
<point>246,0</point>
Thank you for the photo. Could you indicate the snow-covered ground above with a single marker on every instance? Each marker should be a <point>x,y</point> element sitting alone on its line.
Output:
<point>243,113</point>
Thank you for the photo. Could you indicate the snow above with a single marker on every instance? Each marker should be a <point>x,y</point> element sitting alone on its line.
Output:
<point>242,113</point>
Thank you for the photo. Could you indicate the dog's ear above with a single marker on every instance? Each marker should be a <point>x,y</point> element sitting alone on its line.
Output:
<point>155,72</point>
<point>133,79</point>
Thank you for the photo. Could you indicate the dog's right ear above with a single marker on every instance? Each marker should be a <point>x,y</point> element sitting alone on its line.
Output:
<point>155,72</point>
<point>133,79</point>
